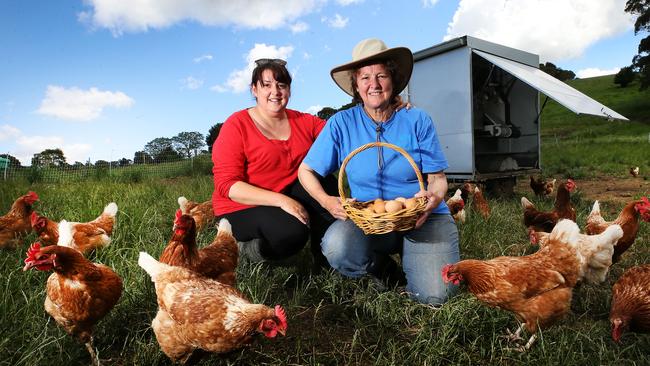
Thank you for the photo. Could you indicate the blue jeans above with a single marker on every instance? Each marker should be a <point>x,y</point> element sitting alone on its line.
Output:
<point>424,252</point>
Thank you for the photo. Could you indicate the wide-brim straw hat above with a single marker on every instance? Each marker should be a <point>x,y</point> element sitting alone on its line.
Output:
<point>367,51</point>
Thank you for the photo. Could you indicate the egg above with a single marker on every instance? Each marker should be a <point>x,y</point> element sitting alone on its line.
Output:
<point>400,199</point>
<point>410,203</point>
<point>379,206</point>
<point>369,209</point>
<point>393,206</point>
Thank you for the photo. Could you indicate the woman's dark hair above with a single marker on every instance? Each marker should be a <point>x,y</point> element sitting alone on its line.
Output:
<point>393,70</point>
<point>280,73</point>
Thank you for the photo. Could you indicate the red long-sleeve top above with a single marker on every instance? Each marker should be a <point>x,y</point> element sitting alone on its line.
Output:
<point>242,153</point>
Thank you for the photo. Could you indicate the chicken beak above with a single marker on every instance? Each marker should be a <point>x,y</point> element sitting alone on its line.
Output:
<point>28,266</point>
<point>283,332</point>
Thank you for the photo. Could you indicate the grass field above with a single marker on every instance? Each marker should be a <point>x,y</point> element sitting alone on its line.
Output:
<point>332,320</point>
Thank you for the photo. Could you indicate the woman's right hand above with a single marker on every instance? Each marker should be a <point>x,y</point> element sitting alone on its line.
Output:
<point>294,208</point>
<point>333,205</point>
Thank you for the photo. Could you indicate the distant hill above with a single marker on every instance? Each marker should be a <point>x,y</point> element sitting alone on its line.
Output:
<point>581,145</point>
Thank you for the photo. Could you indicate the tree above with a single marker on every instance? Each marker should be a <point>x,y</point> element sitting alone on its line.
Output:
<point>13,161</point>
<point>556,72</point>
<point>142,157</point>
<point>188,143</point>
<point>124,162</point>
<point>101,164</point>
<point>156,146</point>
<point>641,62</point>
<point>625,76</point>
<point>212,135</point>
<point>326,113</point>
<point>168,154</point>
<point>49,157</point>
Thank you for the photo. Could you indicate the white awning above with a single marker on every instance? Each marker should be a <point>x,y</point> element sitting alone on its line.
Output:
<point>552,87</point>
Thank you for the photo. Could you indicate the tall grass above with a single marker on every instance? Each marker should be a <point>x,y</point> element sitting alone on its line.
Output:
<point>332,320</point>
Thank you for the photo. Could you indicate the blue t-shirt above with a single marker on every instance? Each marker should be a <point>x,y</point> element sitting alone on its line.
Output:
<point>368,175</point>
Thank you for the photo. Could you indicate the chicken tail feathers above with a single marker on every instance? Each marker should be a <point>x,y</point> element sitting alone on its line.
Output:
<point>182,203</point>
<point>65,233</point>
<point>150,265</point>
<point>566,231</point>
<point>225,227</point>
<point>612,234</point>
<point>110,209</point>
<point>596,209</point>
<point>525,203</point>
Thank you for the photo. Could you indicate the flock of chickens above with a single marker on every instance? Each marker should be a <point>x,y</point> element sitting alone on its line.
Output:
<point>538,287</point>
<point>198,304</point>
<point>199,307</point>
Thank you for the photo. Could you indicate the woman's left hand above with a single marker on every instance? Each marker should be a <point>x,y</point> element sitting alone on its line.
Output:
<point>432,203</point>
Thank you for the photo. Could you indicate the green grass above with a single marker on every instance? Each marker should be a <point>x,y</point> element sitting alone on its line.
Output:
<point>333,320</point>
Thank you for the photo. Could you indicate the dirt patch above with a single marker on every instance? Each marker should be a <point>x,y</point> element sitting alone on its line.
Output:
<point>605,189</point>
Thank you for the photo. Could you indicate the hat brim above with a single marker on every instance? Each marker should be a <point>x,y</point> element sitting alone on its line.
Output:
<point>401,55</point>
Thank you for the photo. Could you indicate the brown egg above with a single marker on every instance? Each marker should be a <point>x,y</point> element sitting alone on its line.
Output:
<point>369,209</point>
<point>400,199</point>
<point>379,206</point>
<point>393,206</point>
<point>410,203</point>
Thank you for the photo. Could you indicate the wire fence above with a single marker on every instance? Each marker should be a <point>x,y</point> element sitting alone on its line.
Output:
<point>197,165</point>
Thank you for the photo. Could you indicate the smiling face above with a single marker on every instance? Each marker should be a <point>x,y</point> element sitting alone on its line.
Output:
<point>272,96</point>
<point>374,85</point>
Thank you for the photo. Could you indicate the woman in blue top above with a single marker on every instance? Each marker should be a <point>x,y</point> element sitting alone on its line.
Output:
<point>374,78</point>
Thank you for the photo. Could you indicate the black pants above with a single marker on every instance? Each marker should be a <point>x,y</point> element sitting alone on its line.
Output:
<point>284,235</point>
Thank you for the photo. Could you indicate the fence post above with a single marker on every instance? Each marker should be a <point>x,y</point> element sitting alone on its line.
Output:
<point>7,166</point>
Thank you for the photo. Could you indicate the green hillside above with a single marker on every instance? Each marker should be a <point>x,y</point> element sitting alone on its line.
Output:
<point>587,146</point>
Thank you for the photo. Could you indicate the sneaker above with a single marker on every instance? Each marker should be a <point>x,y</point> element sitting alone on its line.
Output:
<point>251,250</point>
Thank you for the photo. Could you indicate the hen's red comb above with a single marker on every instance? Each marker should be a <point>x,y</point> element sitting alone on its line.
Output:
<point>31,252</point>
<point>179,213</point>
<point>32,196</point>
<point>462,203</point>
<point>33,217</point>
<point>279,312</point>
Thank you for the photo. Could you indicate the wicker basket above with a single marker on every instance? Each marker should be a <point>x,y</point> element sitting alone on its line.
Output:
<point>381,223</point>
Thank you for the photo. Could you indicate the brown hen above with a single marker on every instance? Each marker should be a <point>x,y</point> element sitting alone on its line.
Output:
<point>630,308</point>
<point>16,223</point>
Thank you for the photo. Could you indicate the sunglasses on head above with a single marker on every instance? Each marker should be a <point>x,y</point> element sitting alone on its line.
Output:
<point>264,61</point>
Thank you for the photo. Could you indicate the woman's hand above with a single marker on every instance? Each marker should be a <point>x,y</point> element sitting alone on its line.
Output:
<point>295,209</point>
<point>333,205</point>
<point>432,202</point>
<point>398,103</point>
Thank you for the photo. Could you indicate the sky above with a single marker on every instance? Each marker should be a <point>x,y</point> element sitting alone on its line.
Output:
<point>101,78</point>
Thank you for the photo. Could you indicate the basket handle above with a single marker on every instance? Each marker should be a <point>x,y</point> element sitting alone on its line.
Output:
<point>376,144</point>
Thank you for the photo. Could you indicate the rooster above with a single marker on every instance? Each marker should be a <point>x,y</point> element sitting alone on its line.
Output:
<point>480,204</point>
<point>217,261</point>
<point>536,287</point>
<point>195,312</point>
<point>628,219</point>
<point>87,236</point>
<point>542,187</point>
<point>594,251</point>
<point>202,213</point>
<point>634,171</point>
<point>16,223</point>
<point>457,206</point>
<point>630,308</point>
<point>562,209</point>
<point>79,292</point>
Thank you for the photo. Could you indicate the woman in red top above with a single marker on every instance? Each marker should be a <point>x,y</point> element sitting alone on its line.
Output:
<point>256,158</point>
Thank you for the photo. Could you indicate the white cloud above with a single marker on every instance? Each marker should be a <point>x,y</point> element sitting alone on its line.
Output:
<point>27,146</point>
<point>553,29</point>
<point>80,105</point>
<point>314,109</point>
<point>594,71</point>
<point>348,2</point>
<point>7,132</point>
<point>306,55</point>
<point>202,58</point>
<point>429,3</point>
<point>239,80</point>
<point>191,83</point>
<point>219,88</point>
<point>141,15</point>
<point>299,27</point>
<point>338,21</point>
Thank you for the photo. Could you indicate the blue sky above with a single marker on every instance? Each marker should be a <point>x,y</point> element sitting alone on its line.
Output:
<point>101,78</point>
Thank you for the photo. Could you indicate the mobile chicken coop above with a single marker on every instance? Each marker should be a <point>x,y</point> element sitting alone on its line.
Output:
<point>485,101</point>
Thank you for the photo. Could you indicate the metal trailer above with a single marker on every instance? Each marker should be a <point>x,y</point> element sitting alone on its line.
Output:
<point>484,100</point>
